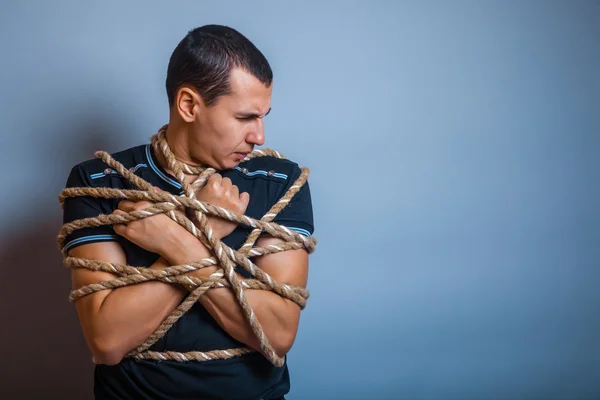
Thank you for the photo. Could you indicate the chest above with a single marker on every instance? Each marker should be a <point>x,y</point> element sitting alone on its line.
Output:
<point>263,194</point>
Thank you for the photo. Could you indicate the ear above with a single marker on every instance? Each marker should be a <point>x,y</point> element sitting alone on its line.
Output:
<point>187,103</point>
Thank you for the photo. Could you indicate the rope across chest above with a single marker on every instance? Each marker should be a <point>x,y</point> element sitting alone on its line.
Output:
<point>225,258</point>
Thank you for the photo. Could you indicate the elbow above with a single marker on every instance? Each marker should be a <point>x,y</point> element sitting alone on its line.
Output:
<point>109,359</point>
<point>283,342</point>
<point>281,351</point>
<point>105,352</point>
<point>284,334</point>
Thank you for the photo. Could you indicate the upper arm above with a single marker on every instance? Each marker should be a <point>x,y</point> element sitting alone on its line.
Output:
<point>79,207</point>
<point>298,213</point>
<point>291,266</point>
<point>103,251</point>
<point>94,243</point>
<point>88,307</point>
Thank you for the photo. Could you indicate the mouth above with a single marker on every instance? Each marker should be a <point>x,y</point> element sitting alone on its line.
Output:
<point>241,156</point>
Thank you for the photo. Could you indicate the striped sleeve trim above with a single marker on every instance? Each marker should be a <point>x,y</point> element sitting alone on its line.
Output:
<point>88,239</point>
<point>260,172</point>
<point>108,171</point>
<point>299,230</point>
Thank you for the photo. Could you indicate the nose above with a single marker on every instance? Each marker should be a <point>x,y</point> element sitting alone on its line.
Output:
<point>256,136</point>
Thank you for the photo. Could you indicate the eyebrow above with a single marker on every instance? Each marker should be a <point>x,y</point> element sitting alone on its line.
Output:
<point>253,115</point>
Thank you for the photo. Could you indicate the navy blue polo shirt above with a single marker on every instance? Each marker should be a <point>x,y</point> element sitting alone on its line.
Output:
<point>250,376</point>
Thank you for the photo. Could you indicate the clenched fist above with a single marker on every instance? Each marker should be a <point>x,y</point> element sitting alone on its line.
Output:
<point>221,192</point>
<point>152,233</point>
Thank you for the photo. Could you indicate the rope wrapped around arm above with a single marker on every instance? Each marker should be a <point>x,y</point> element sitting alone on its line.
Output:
<point>225,258</point>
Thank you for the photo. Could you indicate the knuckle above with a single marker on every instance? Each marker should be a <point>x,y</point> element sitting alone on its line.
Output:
<point>122,229</point>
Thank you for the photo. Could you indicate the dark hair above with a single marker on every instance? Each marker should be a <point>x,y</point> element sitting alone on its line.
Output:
<point>205,57</point>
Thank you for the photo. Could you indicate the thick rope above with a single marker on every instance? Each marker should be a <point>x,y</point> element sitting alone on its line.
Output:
<point>225,257</point>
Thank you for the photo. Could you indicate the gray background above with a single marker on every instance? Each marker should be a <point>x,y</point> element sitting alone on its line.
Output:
<point>454,150</point>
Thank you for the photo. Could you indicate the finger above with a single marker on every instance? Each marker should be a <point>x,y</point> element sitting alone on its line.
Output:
<point>140,205</point>
<point>235,191</point>
<point>226,183</point>
<point>126,205</point>
<point>120,212</point>
<point>215,178</point>
<point>245,198</point>
<point>122,227</point>
<point>214,182</point>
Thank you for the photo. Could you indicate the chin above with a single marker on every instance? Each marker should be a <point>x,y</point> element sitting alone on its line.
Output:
<point>229,164</point>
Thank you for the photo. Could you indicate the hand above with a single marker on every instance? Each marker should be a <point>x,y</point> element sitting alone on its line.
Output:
<point>220,192</point>
<point>154,233</point>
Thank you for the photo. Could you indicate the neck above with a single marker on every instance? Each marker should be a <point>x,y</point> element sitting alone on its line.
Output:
<point>177,140</point>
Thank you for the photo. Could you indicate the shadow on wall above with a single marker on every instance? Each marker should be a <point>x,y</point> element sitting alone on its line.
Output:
<point>43,350</point>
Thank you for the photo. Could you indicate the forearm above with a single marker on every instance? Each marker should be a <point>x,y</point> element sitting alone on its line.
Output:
<point>130,314</point>
<point>277,316</point>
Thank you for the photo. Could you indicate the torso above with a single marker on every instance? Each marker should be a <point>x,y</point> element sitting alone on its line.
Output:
<point>196,330</point>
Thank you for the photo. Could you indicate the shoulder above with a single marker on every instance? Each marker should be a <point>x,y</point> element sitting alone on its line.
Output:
<point>292,196</point>
<point>94,172</point>
<point>271,168</point>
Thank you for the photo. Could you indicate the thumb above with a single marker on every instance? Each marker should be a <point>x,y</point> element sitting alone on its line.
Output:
<point>120,228</point>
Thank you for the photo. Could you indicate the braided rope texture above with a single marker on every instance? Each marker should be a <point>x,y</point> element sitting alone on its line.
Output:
<point>225,258</point>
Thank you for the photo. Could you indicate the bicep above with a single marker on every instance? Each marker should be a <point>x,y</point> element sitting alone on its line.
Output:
<point>102,251</point>
<point>288,267</point>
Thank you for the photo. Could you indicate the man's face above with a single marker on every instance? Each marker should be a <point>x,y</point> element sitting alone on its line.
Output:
<point>229,130</point>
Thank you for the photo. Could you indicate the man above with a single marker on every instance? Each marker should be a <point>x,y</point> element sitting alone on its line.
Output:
<point>219,90</point>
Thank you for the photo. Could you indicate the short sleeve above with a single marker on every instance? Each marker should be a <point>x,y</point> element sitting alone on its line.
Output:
<point>85,207</point>
<point>298,214</point>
